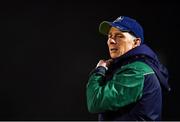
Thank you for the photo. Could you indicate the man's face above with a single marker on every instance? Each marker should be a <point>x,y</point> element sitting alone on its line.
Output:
<point>119,42</point>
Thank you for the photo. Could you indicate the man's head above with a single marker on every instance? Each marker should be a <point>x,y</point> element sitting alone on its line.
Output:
<point>124,34</point>
<point>121,42</point>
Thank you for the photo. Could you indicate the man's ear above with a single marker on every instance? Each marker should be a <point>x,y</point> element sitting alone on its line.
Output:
<point>137,42</point>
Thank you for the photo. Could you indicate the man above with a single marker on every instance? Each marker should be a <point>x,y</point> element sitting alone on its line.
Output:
<point>129,85</point>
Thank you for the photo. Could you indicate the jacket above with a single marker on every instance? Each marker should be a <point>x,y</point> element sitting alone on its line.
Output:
<point>131,89</point>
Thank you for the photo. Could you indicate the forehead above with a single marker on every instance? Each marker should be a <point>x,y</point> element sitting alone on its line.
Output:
<point>114,30</point>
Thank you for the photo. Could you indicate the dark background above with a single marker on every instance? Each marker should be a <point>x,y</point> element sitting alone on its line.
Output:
<point>48,49</point>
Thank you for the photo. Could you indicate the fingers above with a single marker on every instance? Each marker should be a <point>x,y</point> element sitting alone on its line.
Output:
<point>105,63</point>
<point>101,63</point>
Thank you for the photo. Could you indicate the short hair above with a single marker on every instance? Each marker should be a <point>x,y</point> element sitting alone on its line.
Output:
<point>129,35</point>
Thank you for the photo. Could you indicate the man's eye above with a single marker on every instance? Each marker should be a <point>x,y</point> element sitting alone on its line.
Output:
<point>119,36</point>
<point>115,36</point>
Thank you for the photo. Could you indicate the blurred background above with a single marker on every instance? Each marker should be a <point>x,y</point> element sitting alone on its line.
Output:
<point>48,49</point>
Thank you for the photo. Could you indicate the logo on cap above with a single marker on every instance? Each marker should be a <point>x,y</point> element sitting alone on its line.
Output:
<point>119,19</point>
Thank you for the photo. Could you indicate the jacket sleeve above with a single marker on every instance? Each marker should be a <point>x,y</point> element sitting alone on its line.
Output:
<point>124,88</point>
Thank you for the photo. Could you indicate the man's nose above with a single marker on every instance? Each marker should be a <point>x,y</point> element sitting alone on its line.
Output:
<point>111,41</point>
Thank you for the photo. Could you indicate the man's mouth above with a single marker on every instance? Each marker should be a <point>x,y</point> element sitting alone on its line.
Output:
<point>113,49</point>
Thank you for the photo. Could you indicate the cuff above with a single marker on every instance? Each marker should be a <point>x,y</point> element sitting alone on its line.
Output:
<point>101,70</point>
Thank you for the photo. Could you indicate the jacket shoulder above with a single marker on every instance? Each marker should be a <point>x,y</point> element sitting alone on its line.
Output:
<point>142,67</point>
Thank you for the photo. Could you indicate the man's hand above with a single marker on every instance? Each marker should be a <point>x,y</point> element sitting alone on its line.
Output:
<point>109,62</point>
<point>105,63</point>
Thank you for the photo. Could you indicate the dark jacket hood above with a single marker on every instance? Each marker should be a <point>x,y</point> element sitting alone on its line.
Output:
<point>148,56</point>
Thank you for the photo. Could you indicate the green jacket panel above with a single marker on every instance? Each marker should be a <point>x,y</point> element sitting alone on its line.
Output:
<point>124,88</point>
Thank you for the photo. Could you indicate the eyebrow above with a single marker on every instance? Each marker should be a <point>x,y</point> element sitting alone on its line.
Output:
<point>116,33</point>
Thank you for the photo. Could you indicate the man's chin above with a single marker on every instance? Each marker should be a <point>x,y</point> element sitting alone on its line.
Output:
<point>114,56</point>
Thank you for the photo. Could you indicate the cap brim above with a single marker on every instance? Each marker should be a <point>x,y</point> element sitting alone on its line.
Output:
<point>105,26</point>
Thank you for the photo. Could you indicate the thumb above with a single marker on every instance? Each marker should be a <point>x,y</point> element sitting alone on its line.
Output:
<point>109,62</point>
